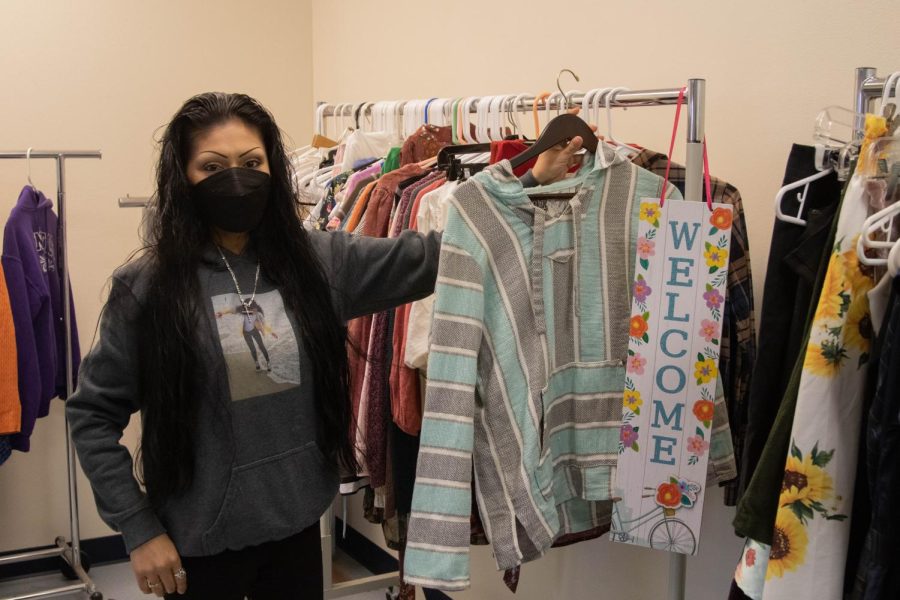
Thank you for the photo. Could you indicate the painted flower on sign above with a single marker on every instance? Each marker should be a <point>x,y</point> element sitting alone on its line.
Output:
<point>638,326</point>
<point>645,248</point>
<point>713,298</point>
<point>705,370</point>
<point>632,400</point>
<point>697,445</point>
<point>628,435</point>
<point>641,290</point>
<point>709,330</point>
<point>715,257</point>
<point>721,218</point>
<point>636,364</point>
<point>703,410</point>
<point>668,495</point>
<point>650,213</point>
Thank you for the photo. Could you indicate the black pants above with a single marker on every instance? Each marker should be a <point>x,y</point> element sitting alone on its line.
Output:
<point>289,569</point>
<point>250,337</point>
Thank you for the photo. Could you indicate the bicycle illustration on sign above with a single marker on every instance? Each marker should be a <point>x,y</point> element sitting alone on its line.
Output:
<point>667,532</point>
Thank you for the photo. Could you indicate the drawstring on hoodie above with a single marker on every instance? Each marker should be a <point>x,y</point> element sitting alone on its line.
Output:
<point>576,227</point>
<point>537,270</point>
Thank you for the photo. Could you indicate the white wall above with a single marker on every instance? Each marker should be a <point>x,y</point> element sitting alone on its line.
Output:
<point>108,74</point>
<point>770,67</point>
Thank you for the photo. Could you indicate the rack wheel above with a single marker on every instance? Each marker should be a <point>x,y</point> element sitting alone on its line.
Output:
<point>66,569</point>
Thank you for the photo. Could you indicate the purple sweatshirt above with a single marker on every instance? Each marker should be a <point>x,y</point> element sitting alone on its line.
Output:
<point>30,252</point>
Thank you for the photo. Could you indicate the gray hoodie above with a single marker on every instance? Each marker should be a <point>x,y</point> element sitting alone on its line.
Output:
<point>259,473</point>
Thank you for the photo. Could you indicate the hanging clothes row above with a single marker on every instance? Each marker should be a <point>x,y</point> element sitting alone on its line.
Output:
<point>817,474</point>
<point>32,327</point>
<point>538,321</point>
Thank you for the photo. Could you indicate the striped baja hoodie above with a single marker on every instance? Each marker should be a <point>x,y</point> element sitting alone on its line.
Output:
<point>526,366</point>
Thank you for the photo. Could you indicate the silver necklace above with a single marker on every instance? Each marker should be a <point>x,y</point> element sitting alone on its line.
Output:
<point>247,304</point>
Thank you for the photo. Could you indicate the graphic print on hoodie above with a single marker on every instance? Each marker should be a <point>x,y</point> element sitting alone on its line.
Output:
<point>258,344</point>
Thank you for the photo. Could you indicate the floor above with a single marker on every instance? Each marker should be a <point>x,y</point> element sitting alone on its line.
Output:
<point>116,582</point>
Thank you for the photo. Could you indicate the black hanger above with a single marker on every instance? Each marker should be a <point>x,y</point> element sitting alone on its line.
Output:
<point>448,153</point>
<point>447,160</point>
<point>561,129</point>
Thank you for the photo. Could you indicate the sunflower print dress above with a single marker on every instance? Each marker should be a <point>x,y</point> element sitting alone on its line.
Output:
<point>809,543</point>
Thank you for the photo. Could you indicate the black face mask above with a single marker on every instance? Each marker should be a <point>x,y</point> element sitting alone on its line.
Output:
<point>234,200</point>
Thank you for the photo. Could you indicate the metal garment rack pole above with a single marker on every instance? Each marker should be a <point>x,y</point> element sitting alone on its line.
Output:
<point>658,97</point>
<point>70,552</point>
<point>696,113</point>
<point>868,87</point>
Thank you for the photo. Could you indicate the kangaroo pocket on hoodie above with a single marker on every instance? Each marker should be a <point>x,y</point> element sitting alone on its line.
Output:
<point>263,499</point>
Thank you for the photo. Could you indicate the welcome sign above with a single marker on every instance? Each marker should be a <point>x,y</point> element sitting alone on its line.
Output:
<point>681,269</point>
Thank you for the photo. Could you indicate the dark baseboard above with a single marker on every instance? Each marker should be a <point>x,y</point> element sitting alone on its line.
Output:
<point>111,549</point>
<point>99,551</point>
<point>372,556</point>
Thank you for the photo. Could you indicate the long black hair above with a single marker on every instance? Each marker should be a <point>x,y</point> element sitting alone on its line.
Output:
<point>170,371</point>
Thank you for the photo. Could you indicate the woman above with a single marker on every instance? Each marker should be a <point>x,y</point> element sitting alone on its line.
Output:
<point>237,472</point>
<point>253,318</point>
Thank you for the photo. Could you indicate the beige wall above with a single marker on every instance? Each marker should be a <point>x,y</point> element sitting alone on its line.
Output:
<point>770,67</point>
<point>108,74</point>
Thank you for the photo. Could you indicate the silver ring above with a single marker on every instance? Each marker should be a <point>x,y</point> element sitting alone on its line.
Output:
<point>180,573</point>
<point>152,585</point>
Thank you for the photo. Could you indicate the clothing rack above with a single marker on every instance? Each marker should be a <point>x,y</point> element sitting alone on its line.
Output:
<point>868,87</point>
<point>695,96</point>
<point>70,552</point>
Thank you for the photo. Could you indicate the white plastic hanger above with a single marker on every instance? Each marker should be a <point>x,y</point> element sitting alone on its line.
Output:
<point>596,104</point>
<point>893,260</point>
<point>28,167</point>
<point>495,129</point>
<point>377,118</point>
<point>890,85</point>
<point>408,119</point>
<point>320,119</point>
<point>570,99</point>
<point>801,197</point>
<point>420,113</point>
<point>497,126</point>
<point>339,117</point>
<point>481,110</point>
<point>559,99</point>
<point>465,120</point>
<point>879,221</point>
<point>517,107</point>
<point>621,147</point>
<point>495,118</point>
<point>348,116</point>
<point>366,116</point>
<point>586,105</point>
<point>395,118</point>
<point>434,111</point>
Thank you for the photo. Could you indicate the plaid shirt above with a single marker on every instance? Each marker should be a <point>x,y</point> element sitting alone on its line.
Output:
<point>738,351</point>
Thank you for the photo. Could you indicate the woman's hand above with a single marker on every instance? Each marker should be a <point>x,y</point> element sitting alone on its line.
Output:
<point>156,564</point>
<point>553,164</point>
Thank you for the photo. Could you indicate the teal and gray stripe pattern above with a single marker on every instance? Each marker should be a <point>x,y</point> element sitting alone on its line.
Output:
<point>526,365</point>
